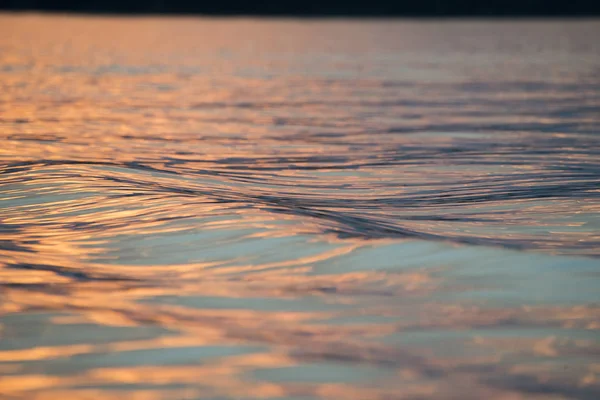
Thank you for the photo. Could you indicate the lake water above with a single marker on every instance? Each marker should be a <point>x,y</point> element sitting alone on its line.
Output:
<point>204,208</point>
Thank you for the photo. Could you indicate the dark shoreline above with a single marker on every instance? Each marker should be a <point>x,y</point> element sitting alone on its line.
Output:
<point>321,8</point>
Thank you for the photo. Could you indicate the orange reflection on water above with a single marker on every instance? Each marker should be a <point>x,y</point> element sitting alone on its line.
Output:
<point>310,209</point>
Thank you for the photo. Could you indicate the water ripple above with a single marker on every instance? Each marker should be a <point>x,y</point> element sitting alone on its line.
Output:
<point>316,210</point>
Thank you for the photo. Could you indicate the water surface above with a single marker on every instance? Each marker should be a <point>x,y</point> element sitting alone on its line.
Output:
<point>299,209</point>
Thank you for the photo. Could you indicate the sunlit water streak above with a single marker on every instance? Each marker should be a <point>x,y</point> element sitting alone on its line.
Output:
<point>237,208</point>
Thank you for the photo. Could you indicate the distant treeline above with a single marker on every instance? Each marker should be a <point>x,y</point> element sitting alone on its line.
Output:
<point>320,7</point>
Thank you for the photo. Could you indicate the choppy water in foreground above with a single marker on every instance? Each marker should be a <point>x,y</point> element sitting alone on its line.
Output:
<point>299,209</point>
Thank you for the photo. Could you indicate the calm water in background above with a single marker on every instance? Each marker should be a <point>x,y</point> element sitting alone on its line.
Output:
<point>299,209</point>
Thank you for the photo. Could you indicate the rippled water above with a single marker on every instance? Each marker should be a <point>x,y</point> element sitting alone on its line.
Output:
<point>299,209</point>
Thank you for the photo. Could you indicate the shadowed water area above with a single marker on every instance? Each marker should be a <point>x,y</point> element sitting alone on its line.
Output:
<point>299,209</point>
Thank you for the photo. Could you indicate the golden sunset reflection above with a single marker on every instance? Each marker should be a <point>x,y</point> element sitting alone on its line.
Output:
<point>200,208</point>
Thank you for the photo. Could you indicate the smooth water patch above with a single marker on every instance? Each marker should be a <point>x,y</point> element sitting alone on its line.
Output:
<point>25,331</point>
<point>322,373</point>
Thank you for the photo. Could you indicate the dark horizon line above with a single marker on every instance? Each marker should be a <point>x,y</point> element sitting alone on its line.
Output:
<point>318,8</point>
